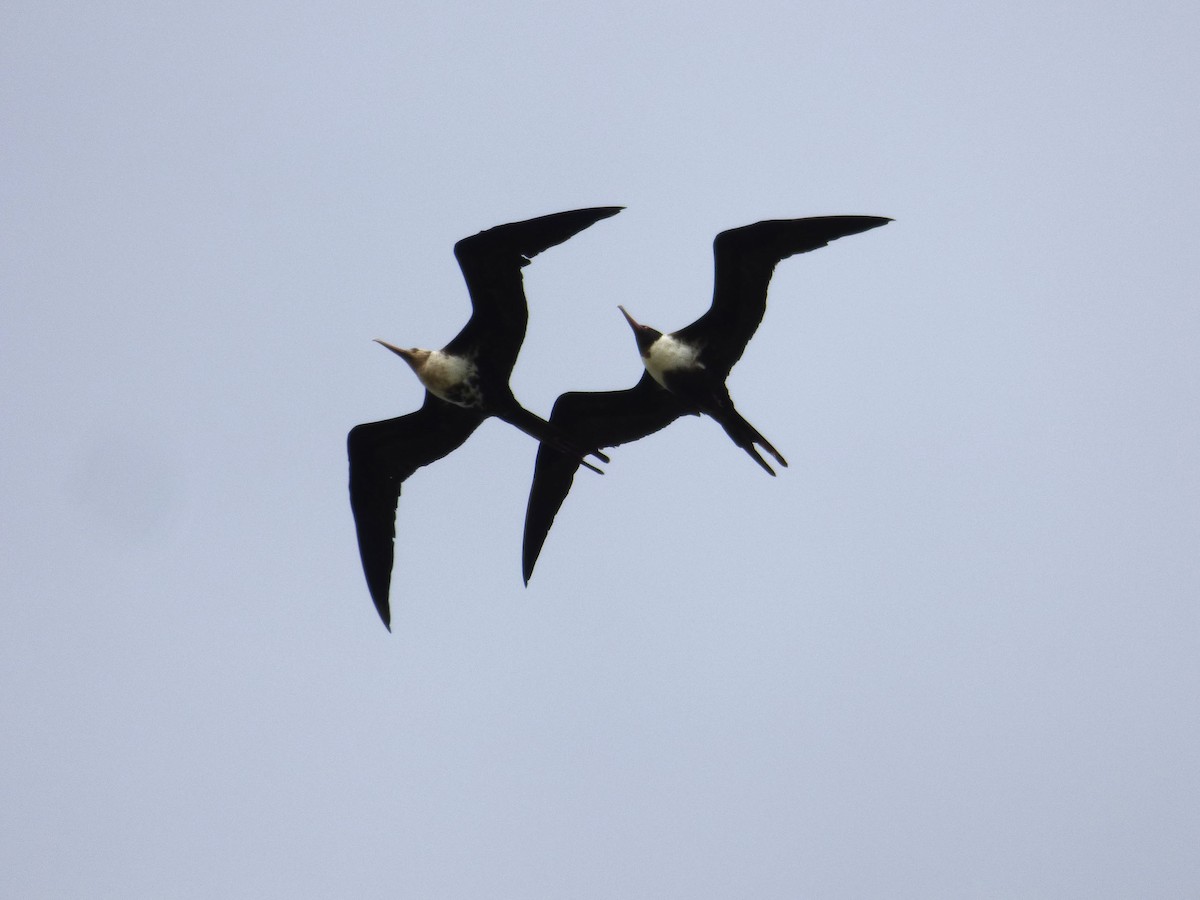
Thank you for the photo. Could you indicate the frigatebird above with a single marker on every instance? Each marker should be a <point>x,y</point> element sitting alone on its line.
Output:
<point>686,370</point>
<point>465,382</point>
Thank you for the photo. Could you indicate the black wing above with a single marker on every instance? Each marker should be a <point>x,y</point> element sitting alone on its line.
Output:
<point>599,419</point>
<point>491,263</point>
<point>382,455</point>
<point>744,260</point>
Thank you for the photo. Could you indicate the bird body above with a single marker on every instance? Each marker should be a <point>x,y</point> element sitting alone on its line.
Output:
<point>668,358</point>
<point>465,382</point>
<point>447,376</point>
<point>676,363</point>
<point>685,370</point>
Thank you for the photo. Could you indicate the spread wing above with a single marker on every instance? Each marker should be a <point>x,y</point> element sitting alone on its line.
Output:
<point>598,419</point>
<point>491,263</point>
<point>744,260</point>
<point>382,455</point>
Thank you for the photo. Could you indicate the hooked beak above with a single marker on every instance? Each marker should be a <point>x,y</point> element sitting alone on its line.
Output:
<point>406,355</point>
<point>399,351</point>
<point>633,323</point>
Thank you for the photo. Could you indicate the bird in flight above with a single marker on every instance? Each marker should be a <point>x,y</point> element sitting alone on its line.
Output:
<point>686,370</point>
<point>465,382</point>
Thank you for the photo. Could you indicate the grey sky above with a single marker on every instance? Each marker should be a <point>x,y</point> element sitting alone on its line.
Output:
<point>952,651</point>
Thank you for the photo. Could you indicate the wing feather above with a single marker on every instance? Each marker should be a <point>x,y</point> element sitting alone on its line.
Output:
<point>382,455</point>
<point>744,260</point>
<point>592,419</point>
<point>491,263</point>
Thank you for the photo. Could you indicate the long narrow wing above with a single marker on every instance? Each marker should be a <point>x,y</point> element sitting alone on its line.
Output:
<point>382,455</point>
<point>744,260</point>
<point>491,263</point>
<point>600,419</point>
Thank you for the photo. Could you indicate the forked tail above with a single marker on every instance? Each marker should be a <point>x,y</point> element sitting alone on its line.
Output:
<point>746,436</point>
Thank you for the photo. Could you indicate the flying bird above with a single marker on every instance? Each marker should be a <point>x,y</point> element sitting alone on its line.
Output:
<point>465,382</point>
<point>686,370</point>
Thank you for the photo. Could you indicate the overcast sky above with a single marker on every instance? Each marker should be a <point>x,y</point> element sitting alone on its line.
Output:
<point>952,651</point>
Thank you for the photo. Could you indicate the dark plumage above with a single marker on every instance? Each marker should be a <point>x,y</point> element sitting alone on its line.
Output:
<point>685,371</point>
<point>466,381</point>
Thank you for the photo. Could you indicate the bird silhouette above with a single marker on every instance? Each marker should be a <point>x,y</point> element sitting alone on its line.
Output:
<point>465,382</point>
<point>686,370</point>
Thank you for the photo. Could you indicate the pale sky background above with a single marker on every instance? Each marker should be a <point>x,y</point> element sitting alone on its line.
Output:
<point>952,651</point>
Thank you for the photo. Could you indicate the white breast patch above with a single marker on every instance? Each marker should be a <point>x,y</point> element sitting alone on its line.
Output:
<point>452,378</point>
<point>668,354</point>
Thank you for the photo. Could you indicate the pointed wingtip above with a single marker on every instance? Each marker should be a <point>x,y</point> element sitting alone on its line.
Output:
<point>598,213</point>
<point>866,223</point>
<point>529,556</point>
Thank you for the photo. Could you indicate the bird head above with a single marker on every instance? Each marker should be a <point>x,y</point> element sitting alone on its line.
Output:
<point>414,356</point>
<point>644,334</point>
